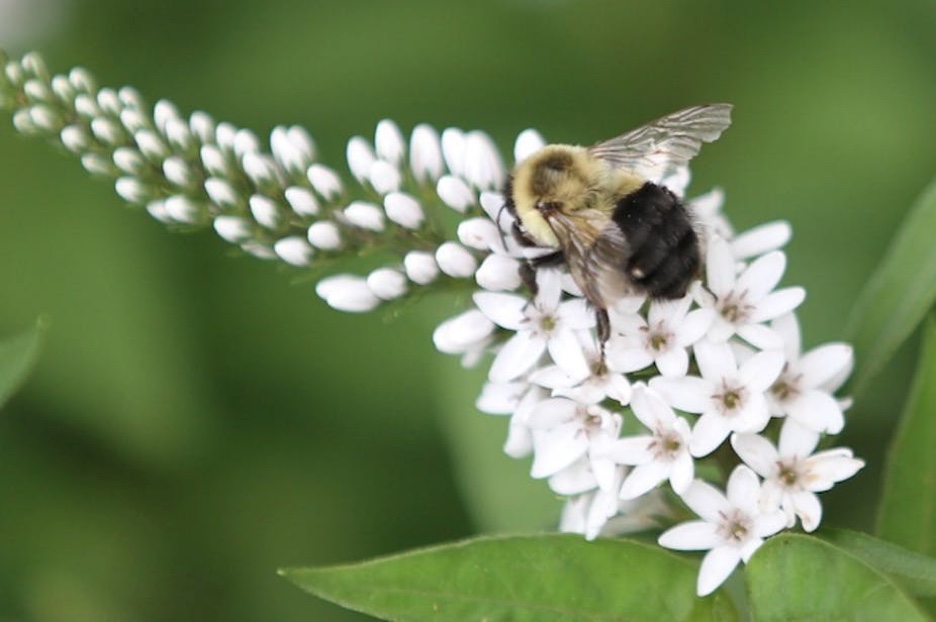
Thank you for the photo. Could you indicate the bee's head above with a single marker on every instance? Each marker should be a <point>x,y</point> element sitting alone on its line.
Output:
<point>554,180</point>
<point>558,180</point>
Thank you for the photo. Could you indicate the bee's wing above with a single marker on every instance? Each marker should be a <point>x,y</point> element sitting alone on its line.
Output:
<point>658,148</point>
<point>594,248</point>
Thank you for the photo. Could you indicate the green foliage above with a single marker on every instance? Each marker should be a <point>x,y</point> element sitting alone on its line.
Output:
<point>899,293</point>
<point>907,514</point>
<point>914,572</point>
<point>535,578</point>
<point>18,354</point>
<point>794,577</point>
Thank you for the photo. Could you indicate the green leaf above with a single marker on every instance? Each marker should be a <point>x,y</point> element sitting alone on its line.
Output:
<point>907,514</point>
<point>914,572</point>
<point>535,578</point>
<point>17,356</point>
<point>796,577</point>
<point>898,294</point>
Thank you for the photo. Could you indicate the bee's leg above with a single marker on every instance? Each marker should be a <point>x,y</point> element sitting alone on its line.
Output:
<point>528,269</point>
<point>604,329</point>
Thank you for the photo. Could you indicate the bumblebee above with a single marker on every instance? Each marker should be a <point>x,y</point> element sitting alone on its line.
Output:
<point>601,211</point>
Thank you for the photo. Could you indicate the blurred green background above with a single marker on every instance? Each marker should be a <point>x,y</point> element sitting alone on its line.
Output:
<point>197,421</point>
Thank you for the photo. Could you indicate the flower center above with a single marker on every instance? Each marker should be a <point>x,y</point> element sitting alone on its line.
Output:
<point>657,338</point>
<point>735,525</point>
<point>788,474</point>
<point>786,387</point>
<point>730,399</point>
<point>547,324</point>
<point>666,445</point>
<point>735,308</point>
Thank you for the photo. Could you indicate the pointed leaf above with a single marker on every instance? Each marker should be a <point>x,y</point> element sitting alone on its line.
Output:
<point>914,572</point>
<point>908,505</point>
<point>795,577</point>
<point>535,578</point>
<point>898,294</point>
<point>17,356</point>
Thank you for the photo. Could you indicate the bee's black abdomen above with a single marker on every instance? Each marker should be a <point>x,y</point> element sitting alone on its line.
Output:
<point>664,248</point>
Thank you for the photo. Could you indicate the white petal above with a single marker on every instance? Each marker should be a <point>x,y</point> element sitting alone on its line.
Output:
<point>832,466</point>
<point>500,398</point>
<point>453,149</point>
<point>516,357</point>
<point>556,449</point>
<point>670,312</point>
<point>631,450</point>
<point>420,267</point>
<point>387,283</point>
<point>404,210</point>
<point>425,153</point>
<point>499,273</point>
<point>787,326</point>
<point>519,443</point>
<point>717,565</point>
<point>761,370</point>
<point>674,362</point>
<point>363,215</point>
<point>302,201</point>
<point>759,336</point>
<point>716,360</point>
<point>549,286</point>
<point>384,177</point>
<point>458,334</point>
<point>720,268</point>
<point>388,139</point>
<point>690,536</point>
<point>777,303</point>
<point>761,239</point>
<point>743,489</point>
<point>650,409</point>
<point>324,235</point>
<point>683,470</point>
<point>796,440</point>
<point>753,415</point>
<point>360,156</point>
<point>347,293</point>
<point>694,326</point>
<point>552,377</point>
<point>706,501</point>
<point>644,478</point>
<point>756,452</point>
<point>455,193</point>
<point>767,525</point>
<point>483,166</point>
<point>821,364</point>
<point>708,434</point>
<point>551,413</point>
<point>762,276</point>
<point>325,181</point>
<point>626,355</point>
<point>293,250</point>
<point>528,142</point>
<point>574,479</point>
<point>817,410</point>
<point>566,352</point>
<point>809,510</point>
<point>505,310</point>
<point>455,260</point>
<point>688,393</point>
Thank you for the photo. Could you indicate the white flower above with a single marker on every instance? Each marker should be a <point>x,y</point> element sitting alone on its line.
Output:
<point>732,527</point>
<point>602,382</point>
<point>662,455</point>
<point>729,397</point>
<point>541,325</point>
<point>792,473</point>
<point>804,389</point>
<point>744,301</point>
<point>568,434</point>
<point>661,338</point>
<point>516,399</point>
<point>588,513</point>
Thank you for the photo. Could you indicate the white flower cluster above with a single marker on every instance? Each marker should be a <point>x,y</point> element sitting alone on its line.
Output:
<point>616,428</point>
